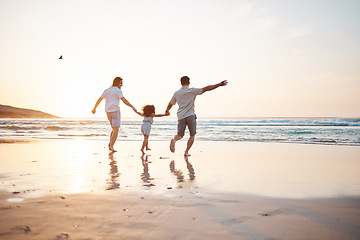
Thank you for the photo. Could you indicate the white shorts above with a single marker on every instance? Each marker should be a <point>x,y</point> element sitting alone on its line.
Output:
<point>114,118</point>
<point>146,128</point>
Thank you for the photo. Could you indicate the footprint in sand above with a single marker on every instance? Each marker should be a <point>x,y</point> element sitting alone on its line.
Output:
<point>273,213</point>
<point>233,221</point>
<point>61,236</point>
<point>25,229</point>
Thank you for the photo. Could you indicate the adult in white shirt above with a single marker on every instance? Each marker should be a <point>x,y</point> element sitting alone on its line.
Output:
<point>112,96</point>
<point>185,98</point>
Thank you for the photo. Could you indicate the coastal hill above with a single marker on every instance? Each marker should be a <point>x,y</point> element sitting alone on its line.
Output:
<point>14,112</point>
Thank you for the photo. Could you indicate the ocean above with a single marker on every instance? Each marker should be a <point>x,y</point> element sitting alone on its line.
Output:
<point>326,131</point>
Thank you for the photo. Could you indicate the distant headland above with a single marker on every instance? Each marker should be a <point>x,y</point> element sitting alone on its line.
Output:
<point>14,112</point>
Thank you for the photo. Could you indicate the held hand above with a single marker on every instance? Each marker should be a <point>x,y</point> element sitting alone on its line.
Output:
<point>167,113</point>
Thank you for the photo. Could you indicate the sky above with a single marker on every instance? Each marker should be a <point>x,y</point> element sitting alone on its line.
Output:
<point>281,58</point>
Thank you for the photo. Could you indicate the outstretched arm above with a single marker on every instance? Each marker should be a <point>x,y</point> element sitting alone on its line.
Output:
<point>162,115</point>
<point>139,113</point>
<point>128,104</point>
<point>212,87</point>
<point>97,104</point>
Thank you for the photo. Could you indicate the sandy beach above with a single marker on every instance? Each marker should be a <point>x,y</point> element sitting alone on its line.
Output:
<point>75,189</point>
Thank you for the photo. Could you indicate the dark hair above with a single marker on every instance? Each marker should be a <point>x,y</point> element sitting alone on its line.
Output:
<point>148,110</point>
<point>116,81</point>
<point>185,80</point>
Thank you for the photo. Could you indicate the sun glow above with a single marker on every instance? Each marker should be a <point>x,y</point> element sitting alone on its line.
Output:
<point>269,54</point>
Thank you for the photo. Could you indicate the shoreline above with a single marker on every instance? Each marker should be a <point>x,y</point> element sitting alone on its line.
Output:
<point>4,140</point>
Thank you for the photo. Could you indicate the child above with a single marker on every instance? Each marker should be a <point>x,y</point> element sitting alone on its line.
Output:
<point>148,114</point>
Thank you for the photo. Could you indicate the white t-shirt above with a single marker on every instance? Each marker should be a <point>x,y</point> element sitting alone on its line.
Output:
<point>185,98</point>
<point>112,96</point>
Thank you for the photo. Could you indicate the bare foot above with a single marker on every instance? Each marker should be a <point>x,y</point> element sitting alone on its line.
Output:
<point>111,149</point>
<point>148,149</point>
<point>186,154</point>
<point>172,145</point>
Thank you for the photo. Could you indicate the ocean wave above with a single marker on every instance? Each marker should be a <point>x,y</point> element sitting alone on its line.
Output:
<point>14,140</point>
<point>18,128</point>
<point>30,127</point>
<point>55,128</point>
<point>81,135</point>
<point>284,122</point>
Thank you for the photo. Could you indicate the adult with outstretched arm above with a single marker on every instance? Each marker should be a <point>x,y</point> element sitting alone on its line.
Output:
<point>185,98</point>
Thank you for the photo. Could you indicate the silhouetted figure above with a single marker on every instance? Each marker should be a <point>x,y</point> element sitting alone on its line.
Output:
<point>61,57</point>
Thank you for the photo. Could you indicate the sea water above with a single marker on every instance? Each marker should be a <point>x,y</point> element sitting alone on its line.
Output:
<point>336,131</point>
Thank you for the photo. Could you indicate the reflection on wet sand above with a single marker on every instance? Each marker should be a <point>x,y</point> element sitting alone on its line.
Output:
<point>179,173</point>
<point>147,181</point>
<point>190,168</point>
<point>145,175</point>
<point>113,181</point>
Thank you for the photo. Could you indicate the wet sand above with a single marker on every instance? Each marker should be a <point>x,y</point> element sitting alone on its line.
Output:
<point>73,189</point>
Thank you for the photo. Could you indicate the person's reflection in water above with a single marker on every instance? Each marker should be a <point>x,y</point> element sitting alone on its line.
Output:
<point>179,174</point>
<point>113,181</point>
<point>190,168</point>
<point>145,176</point>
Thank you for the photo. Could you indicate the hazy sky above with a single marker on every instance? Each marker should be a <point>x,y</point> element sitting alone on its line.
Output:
<point>281,58</point>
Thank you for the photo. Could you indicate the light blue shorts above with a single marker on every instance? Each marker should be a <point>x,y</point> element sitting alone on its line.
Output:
<point>114,118</point>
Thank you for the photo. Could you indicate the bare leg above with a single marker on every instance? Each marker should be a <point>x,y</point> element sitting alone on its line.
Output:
<point>173,141</point>
<point>113,137</point>
<point>189,145</point>
<point>110,139</point>
<point>145,143</point>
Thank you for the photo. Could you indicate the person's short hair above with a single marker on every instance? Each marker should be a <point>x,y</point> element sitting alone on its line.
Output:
<point>185,80</point>
<point>116,81</point>
<point>148,110</point>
